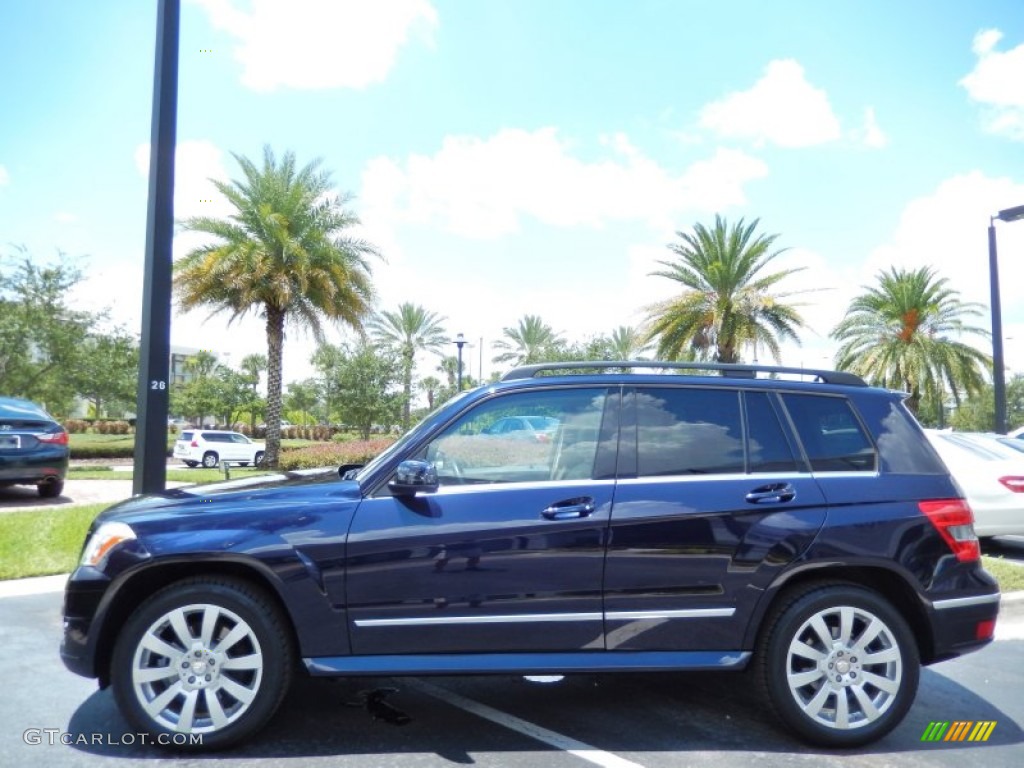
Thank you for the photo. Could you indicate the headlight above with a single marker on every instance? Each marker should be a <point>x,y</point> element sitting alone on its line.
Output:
<point>104,540</point>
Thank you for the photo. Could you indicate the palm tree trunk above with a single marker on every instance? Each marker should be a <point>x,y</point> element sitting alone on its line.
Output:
<point>407,387</point>
<point>275,343</point>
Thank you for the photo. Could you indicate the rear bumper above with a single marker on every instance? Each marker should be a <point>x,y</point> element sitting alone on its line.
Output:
<point>963,624</point>
<point>43,464</point>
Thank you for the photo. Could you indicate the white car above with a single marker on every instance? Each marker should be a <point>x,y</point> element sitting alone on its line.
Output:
<point>991,476</point>
<point>209,447</point>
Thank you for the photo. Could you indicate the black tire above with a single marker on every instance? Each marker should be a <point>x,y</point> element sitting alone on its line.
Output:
<point>258,663</point>
<point>845,690</point>
<point>51,490</point>
<point>260,455</point>
<point>192,464</point>
<point>210,460</point>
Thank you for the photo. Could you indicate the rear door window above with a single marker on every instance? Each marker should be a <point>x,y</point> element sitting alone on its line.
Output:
<point>684,431</point>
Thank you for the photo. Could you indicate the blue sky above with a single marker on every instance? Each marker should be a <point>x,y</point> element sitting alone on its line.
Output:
<point>536,156</point>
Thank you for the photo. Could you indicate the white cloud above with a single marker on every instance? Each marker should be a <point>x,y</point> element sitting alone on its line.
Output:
<point>5,177</point>
<point>313,44</point>
<point>997,83</point>
<point>781,108</point>
<point>484,187</point>
<point>871,135</point>
<point>195,163</point>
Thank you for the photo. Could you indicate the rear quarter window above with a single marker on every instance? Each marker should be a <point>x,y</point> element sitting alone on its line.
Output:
<point>832,436</point>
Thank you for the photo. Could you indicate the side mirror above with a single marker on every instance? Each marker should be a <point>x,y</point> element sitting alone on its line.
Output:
<point>413,476</point>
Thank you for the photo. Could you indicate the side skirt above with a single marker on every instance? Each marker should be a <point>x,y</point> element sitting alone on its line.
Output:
<point>527,663</point>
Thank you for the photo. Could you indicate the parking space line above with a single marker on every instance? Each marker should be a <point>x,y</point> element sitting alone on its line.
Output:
<point>565,743</point>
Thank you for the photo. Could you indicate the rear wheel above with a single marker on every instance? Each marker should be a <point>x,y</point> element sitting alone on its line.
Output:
<point>192,463</point>
<point>51,490</point>
<point>205,656</point>
<point>259,458</point>
<point>210,460</point>
<point>838,665</point>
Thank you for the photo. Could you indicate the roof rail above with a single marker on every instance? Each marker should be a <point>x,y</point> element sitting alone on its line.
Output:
<point>734,370</point>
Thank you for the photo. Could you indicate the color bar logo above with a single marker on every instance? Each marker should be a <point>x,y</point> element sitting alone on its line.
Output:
<point>958,730</point>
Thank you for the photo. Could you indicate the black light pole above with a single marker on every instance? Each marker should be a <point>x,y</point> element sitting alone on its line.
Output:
<point>460,342</point>
<point>150,474</point>
<point>998,365</point>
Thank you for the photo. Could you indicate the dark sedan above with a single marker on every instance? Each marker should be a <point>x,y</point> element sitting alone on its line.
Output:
<point>33,447</point>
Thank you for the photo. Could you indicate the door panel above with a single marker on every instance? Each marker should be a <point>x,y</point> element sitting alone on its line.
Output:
<point>470,569</point>
<point>508,553</point>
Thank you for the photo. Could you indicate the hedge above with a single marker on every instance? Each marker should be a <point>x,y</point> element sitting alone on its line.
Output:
<point>333,454</point>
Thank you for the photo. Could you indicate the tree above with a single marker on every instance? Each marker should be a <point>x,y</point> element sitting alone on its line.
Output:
<point>900,334</point>
<point>626,343</point>
<point>430,386</point>
<point>410,330</point>
<point>284,254</point>
<point>530,341</point>
<point>252,367</point>
<point>107,371</point>
<point>367,376</point>
<point>303,396</point>
<point>977,412</point>
<point>41,337</point>
<point>728,300</point>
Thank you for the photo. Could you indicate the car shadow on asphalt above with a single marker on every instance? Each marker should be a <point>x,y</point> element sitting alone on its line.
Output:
<point>623,714</point>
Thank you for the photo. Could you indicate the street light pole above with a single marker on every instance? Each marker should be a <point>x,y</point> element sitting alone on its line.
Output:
<point>460,342</point>
<point>998,365</point>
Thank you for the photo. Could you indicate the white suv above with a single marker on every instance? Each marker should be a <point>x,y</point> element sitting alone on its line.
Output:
<point>209,447</point>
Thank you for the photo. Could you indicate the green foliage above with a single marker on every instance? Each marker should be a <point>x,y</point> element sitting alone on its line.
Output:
<point>107,371</point>
<point>41,338</point>
<point>904,334</point>
<point>366,378</point>
<point>283,254</point>
<point>728,302</point>
<point>978,412</point>
<point>303,397</point>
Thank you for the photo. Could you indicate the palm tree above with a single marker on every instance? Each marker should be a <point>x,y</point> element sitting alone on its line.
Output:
<point>409,330</point>
<point>626,343</point>
<point>897,335</point>
<point>727,301</point>
<point>282,254</point>
<point>529,342</point>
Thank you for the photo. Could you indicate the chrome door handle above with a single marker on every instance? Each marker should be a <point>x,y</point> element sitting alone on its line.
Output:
<point>570,509</point>
<point>775,493</point>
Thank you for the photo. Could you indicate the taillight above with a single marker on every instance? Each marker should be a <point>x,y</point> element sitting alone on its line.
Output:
<point>954,521</point>
<point>53,438</point>
<point>194,444</point>
<point>1014,483</point>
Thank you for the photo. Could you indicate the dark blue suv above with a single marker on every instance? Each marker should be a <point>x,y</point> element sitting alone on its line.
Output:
<point>729,518</point>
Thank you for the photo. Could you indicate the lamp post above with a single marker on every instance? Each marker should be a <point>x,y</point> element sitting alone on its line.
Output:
<point>998,366</point>
<point>460,342</point>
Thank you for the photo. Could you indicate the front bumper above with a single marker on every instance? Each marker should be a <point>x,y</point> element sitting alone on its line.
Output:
<point>83,601</point>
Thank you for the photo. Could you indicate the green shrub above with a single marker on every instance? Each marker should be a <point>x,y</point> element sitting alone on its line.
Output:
<point>333,454</point>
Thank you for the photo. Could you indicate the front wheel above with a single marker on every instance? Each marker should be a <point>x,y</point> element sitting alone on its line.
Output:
<point>202,665</point>
<point>838,665</point>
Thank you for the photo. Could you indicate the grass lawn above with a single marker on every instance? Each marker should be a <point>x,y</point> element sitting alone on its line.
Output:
<point>43,542</point>
<point>1009,576</point>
